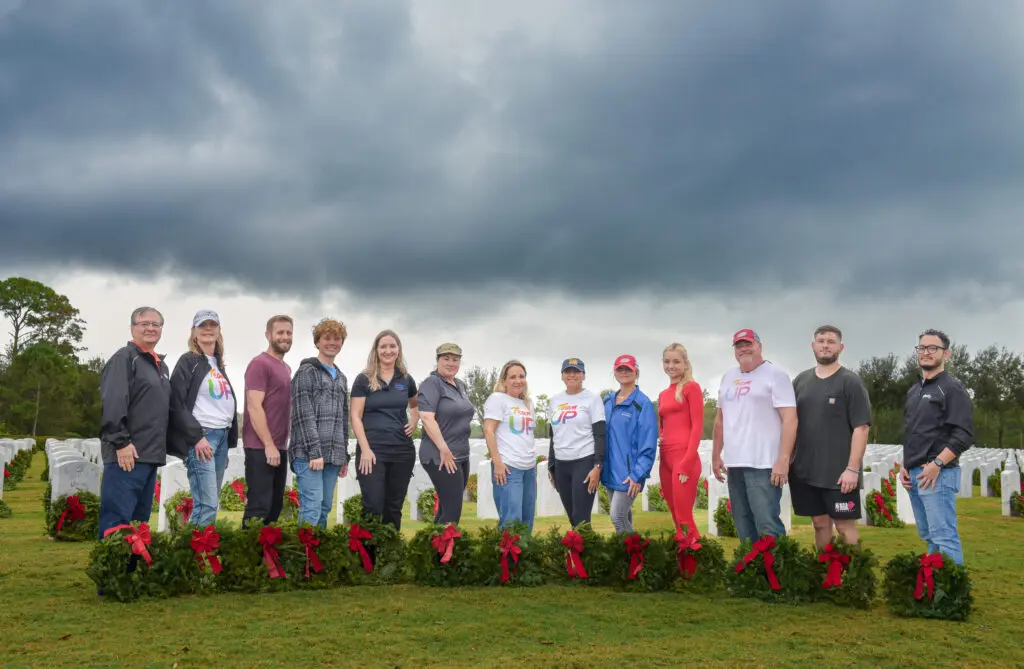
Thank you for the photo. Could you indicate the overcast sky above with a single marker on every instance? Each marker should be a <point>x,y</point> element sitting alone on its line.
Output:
<point>537,179</point>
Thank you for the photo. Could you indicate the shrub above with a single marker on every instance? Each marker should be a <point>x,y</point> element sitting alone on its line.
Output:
<point>352,509</point>
<point>702,494</point>
<point>995,484</point>
<point>604,500</point>
<point>976,477</point>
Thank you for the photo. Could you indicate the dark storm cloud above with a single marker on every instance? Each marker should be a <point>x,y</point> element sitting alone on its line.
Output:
<point>691,148</point>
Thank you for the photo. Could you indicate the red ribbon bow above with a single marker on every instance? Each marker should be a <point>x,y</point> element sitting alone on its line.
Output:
<point>239,489</point>
<point>888,487</point>
<point>508,545</point>
<point>445,542</point>
<point>293,497</point>
<point>882,508</point>
<point>270,536</point>
<point>924,575</point>
<point>7,474</point>
<point>138,539</point>
<point>204,542</point>
<point>684,554</point>
<point>837,562</point>
<point>307,539</point>
<point>573,541</point>
<point>728,505</point>
<point>156,492</point>
<point>763,548</point>
<point>437,502</point>
<point>355,535</point>
<point>74,508</point>
<point>185,508</point>
<point>635,546</point>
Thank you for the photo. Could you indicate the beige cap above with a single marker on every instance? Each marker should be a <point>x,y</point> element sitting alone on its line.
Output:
<point>449,349</point>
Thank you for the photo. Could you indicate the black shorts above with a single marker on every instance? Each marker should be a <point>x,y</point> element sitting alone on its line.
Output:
<point>809,500</point>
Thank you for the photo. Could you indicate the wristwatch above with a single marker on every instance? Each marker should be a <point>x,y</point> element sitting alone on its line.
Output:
<point>939,463</point>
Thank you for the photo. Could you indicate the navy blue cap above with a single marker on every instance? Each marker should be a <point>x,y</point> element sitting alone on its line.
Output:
<point>573,363</point>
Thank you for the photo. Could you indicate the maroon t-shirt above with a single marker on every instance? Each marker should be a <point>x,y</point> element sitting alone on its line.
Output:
<point>274,378</point>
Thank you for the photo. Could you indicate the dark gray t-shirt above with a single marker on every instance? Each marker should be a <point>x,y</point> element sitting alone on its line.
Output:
<point>451,407</point>
<point>828,410</point>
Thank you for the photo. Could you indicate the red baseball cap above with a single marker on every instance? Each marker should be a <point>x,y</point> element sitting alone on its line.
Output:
<point>746,334</point>
<point>625,361</point>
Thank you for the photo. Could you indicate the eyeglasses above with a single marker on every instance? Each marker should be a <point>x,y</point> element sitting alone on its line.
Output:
<point>929,349</point>
<point>149,324</point>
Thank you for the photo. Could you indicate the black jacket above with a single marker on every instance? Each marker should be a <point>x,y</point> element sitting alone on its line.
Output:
<point>185,431</point>
<point>135,390</point>
<point>938,414</point>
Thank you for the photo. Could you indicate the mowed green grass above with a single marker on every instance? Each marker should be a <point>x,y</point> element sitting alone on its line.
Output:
<point>50,616</point>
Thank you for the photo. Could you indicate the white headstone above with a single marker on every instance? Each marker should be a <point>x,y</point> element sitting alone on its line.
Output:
<point>904,509</point>
<point>987,469</point>
<point>786,508</point>
<point>548,502</point>
<point>485,507</point>
<point>348,487</point>
<point>872,481</point>
<point>69,476</point>
<point>1010,482</point>
<point>966,480</point>
<point>173,477</point>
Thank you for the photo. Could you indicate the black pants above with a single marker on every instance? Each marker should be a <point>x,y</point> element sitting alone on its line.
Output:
<point>449,488</point>
<point>266,484</point>
<point>569,477</point>
<point>384,489</point>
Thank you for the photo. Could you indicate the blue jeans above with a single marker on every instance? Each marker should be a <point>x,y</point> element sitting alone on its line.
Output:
<point>126,496</point>
<point>206,478</point>
<point>935,512</point>
<point>756,503</point>
<point>517,499</point>
<point>316,491</point>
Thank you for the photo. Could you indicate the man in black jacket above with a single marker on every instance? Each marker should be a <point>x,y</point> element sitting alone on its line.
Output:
<point>135,390</point>
<point>939,427</point>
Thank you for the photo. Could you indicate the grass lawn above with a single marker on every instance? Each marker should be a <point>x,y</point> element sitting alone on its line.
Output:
<point>50,615</point>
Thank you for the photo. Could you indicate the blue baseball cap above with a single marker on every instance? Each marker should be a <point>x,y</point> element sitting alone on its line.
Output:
<point>573,363</point>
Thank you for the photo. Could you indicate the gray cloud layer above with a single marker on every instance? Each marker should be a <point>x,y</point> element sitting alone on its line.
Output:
<point>669,146</point>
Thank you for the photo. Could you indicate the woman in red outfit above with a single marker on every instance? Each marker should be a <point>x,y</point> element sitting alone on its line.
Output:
<point>680,426</point>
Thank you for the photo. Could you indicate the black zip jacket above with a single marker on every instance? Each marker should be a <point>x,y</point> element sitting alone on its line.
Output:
<point>185,431</point>
<point>938,414</point>
<point>135,390</point>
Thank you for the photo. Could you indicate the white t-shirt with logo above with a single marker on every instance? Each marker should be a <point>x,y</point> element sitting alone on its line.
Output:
<point>515,430</point>
<point>751,426</point>
<point>572,418</point>
<point>215,403</point>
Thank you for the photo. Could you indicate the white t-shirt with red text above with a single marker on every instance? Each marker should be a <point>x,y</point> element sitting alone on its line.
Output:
<point>751,425</point>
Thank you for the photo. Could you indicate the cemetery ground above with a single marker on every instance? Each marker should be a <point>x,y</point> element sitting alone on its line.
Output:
<point>50,614</point>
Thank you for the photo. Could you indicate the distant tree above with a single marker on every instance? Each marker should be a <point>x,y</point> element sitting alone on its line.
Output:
<point>39,391</point>
<point>541,415</point>
<point>480,385</point>
<point>38,313</point>
<point>996,379</point>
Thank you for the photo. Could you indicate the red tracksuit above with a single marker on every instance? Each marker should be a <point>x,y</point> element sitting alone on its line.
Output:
<point>682,424</point>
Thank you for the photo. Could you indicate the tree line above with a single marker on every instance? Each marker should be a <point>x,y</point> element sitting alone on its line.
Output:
<point>46,388</point>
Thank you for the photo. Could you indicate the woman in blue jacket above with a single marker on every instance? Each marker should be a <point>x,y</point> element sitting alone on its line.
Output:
<point>632,443</point>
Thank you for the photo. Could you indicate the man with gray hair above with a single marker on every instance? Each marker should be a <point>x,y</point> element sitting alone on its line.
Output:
<point>135,390</point>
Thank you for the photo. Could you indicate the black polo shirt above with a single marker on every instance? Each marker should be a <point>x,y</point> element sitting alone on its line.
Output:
<point>938,414</point>
<point>385,416</point>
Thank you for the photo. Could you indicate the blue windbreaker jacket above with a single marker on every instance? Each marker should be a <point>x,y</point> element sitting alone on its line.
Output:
<point>632,438</point>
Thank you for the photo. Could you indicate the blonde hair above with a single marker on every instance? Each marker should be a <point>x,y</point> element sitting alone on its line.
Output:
<point>372,370</point>
<point>218,346</point>
<point>687,375</point>
<point>499,385</point>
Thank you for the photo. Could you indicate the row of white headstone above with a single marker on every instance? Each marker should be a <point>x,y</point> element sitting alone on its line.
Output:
<point>9,448</point>
<point>76,465</point>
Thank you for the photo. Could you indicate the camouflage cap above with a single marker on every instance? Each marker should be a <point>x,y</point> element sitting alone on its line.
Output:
<point>449,349</point>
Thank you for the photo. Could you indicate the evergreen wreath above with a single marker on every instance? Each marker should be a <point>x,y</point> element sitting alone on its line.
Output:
<point>352,510</point>
<point>702,494</point>
<point>927,586</point>
<point>77,515</point>
<point>1016,505</point>
<point>567,559</point>
<point>723,518</point>
<point>882,510</point>
<point>508,556</point>
<point>655,498</point>
<point>773,569</point>
<point>232,495</point>
<point>845,574</point>
<point>179,511</point>
<point>640,563</point>
<point>426,503</point>
<point>699,566</point>
<point>441,555</point>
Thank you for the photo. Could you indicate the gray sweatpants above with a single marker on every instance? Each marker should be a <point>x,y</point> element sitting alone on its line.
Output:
<point>621,511</point>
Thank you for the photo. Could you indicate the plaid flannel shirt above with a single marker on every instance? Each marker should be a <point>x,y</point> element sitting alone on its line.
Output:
<point>319,415</point>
